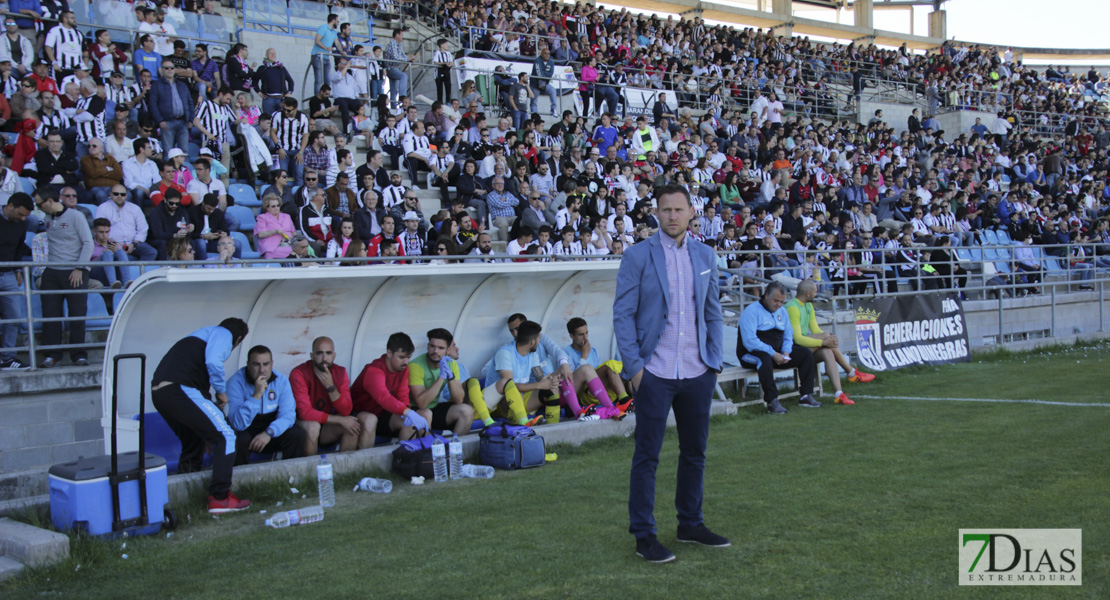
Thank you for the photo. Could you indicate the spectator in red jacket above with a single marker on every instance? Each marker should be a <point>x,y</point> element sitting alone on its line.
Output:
<point>323,393</point>
<point>383,389</point>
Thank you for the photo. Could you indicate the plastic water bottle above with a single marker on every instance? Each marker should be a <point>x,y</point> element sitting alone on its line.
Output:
<point>439,459</point>
<point>309,514</point>
<point>455,450</point>
<point>324,477</point>
<point>477,471</point>
<point>370,484</point>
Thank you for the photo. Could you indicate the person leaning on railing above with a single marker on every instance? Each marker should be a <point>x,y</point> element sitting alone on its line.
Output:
<point>13,247</point>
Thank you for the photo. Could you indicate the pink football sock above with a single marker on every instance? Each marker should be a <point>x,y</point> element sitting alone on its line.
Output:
<point>598,390</point>
<point>570,398</point>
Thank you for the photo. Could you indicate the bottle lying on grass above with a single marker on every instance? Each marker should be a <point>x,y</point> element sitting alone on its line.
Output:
<point>309,514</point>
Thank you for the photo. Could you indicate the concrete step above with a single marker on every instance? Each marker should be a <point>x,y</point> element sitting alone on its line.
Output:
<point>30,545</point>
<point>10,568</point>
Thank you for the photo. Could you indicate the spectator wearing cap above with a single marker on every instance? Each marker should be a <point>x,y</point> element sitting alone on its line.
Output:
<point>16,48</point>
<point>121,98</point>
<point>171,105</point>
<point>412,240</point>
<point>43,81</point>
<point>169,180</point>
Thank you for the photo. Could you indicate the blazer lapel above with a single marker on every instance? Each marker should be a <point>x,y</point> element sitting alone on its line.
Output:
<point>660,261</point>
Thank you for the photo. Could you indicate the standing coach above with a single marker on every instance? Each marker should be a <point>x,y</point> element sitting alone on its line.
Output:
<point>667,319</point>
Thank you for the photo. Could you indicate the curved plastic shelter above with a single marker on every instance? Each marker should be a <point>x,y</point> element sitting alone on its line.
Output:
<point>357,307</point>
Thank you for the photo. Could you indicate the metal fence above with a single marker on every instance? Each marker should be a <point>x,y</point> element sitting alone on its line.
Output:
<point>993,274</point>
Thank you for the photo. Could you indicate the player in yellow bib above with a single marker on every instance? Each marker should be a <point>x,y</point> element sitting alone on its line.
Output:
<point>825,346</point>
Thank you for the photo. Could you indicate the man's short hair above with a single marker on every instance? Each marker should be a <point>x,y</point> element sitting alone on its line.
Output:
<point>440,333</point>
<point>211,199</point>
<point>673,189</point>
<point>575,324</point>
<point>256,350</point>
<point>774,286</point>
<point>527,331</point>
<point>139,145</point>
<point>516,317</point>
<point>21,200</point>
<point>171,194</point>
<point>100,222</point>
<point>203,162</point>
<point>237,327</point>
<point>400,342</point>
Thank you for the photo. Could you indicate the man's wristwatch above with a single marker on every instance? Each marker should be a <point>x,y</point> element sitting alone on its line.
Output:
<point>330,388</point>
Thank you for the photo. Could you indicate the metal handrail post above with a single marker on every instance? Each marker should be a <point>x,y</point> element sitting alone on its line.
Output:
<point>30,315</point>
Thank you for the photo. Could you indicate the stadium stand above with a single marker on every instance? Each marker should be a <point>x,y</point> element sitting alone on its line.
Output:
<point>764,131</point>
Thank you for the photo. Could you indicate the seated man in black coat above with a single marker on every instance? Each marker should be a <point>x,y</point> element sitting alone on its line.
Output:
<point>55,166</point>
<point>169,220</point>
<point>209,220</point>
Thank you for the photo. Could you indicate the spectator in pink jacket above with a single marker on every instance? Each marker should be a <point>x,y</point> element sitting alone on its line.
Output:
<point>273,229</point>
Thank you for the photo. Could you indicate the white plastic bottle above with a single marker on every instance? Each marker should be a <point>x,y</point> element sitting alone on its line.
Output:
<point>477,471</point>
<point>325,479</point>
<point>455,450</point>
<point>439,460</point>
<point>309,514</point>
<point>370,484</point>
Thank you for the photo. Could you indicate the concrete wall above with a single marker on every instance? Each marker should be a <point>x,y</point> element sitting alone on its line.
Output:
<point>895,115</point>
<point>960,121</point>
<point>39,430</point>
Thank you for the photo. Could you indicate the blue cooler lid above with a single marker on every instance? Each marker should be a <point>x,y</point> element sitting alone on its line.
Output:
<point>100,466</point>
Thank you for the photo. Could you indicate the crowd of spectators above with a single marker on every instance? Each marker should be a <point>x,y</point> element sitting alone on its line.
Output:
<point>768,165</point>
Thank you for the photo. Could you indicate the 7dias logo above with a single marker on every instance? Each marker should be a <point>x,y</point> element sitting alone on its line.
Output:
<point>1021,557</point>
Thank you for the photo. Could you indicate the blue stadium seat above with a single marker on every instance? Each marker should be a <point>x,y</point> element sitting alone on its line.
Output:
<point>1003,237</point>
<point>245,216</point>
<point>990,236</point>
<point>98,317</point>
<point>11,137</point>
<point>247,252</point>
<point>91,208</point>
<point>244,195</point>
<point>28,185</point>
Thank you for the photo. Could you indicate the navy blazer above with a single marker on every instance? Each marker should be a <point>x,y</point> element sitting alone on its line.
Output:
<point>640,306</point>
<point>161,100</point>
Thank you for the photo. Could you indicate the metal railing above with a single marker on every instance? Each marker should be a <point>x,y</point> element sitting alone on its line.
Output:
<point>996,273</point>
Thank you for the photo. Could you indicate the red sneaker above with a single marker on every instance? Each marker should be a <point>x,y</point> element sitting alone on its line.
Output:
<point>230,504</point>
<point>843,398</point>
<point>861,377</point>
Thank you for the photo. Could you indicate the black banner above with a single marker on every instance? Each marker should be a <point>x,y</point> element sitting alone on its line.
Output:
<point>899,331</point>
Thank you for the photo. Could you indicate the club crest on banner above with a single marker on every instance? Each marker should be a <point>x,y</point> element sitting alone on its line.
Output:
<point>869,339</point>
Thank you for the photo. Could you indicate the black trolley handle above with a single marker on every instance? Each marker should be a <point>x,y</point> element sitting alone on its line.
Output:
<point>115,480</point>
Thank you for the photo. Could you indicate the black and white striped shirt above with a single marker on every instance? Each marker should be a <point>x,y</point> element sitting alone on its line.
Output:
<point>9,86</point>
<point>373,70</point>
<point>443,56</point>
<point>66,44</point>
<point>52,122</point>
<point>94,127</point>
<point>136,91</point>
<point>123,95</point>
<point>289,131</point>
<point>389,136</point>
<point>393,195</point>
<point>416,143</point>
<point>217,119</point>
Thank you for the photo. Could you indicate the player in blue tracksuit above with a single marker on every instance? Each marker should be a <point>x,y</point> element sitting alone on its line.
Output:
<point>180,392</point>
<point>766,343</point>
<point>262,409</point>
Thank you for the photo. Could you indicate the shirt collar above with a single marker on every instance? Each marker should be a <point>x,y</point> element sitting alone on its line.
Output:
<point>670,244</point>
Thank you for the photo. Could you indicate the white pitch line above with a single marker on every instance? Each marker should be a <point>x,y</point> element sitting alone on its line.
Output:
<point>992,400</point>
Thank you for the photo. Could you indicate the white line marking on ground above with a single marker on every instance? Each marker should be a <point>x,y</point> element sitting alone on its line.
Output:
<point>993,400</point>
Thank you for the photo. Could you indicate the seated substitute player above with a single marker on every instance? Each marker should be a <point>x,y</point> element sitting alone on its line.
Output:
<point>382,388</point>
<point>430,374</point>
<point>471,385</point>
<point>322,390</point>
<point>180,393</point>
<point>262,410</point>
<point>516,376</point>
<point>766,343</point>
<point>594,382</point>
<point>825,346</point>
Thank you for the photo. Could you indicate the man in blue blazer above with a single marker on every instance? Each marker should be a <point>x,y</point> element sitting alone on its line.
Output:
<point>667,319</point>
<point>171,105</point>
